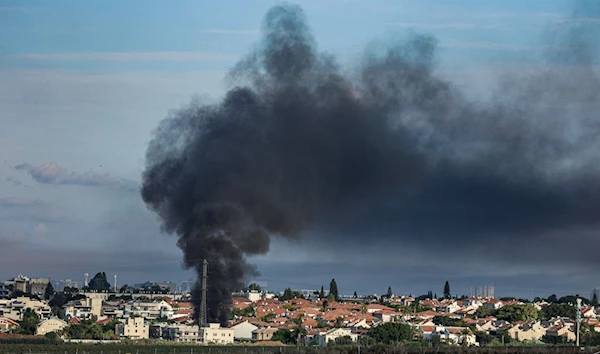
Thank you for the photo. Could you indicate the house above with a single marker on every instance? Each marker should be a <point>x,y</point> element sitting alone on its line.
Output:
<point>456,335</point>
<point>50,325</point>
<point>532,330</point>
<point>181,333</point>
<point>134,328</point>
<point>387,315</point>
<point>263,333</point>
<point>493,303</point>
<point>588,312</point>
<point>216,334</point>
<point>427,331</point>
<point>243,330</point>
<point>240,303</point>
<point>324,338</point>
<point>561,330</point>
<point>6,324</point>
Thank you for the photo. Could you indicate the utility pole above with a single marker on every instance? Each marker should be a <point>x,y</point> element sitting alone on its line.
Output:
<point>204,292</point>
<point>578,319</point>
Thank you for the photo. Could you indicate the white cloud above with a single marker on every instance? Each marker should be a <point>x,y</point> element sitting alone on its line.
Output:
<point>125,56</point>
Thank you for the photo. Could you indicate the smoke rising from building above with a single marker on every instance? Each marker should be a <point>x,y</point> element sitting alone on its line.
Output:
<point>394,150</point>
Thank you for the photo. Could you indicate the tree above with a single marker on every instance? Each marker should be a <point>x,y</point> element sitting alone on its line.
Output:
<point>99,282</point>
<point>447,294</point>
<point>595,300</point>
<point>51,336</point>
<point>333,289</point>
<point>552,299</point>
<point>49,291</point>
<point>355,295</point>
<point>484,311</point>
<point>515,313</point>
<point>287,295</point>
<point>389,292</point>
<point>254,287</point>
<point>391,332</point>
<point>557,310</point>
<point>124,288</point>
<point>284,336</point>
<point>430,294</point>
<point>30,322</point>
<point>322,293</point>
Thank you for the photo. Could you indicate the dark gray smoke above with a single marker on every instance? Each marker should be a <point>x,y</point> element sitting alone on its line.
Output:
<point>396,150</point>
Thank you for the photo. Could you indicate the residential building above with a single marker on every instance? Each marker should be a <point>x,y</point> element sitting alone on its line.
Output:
<point>182,333</point>
<point>37,286</point>
<point>324,338</point>
<point>14,308</point>
<point>456,335</point>
<point>4,291</point>
<point>532,330</point>
<point>149,310</point>
<point>50,325</point>
<point>562,330</point>
<point>265,333</point>
<point>243,330</point>
<point>254,295</point>
<point>19,283</point>
<point>216,334</point>
<point>134,328</point>
<point>6,324</point>
<point>88,308</point>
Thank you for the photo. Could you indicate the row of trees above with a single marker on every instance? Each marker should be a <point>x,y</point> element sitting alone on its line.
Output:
<point>527,312</point>
<point>387,333</point>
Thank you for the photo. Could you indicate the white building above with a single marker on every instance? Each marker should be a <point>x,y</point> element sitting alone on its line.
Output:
<point>14,308</point>
<point>149,310</point>
<point>134,328</point>
<point>332,334</point>
<point>243,330</point>
<point>216,334</point>
<point>50,325</point>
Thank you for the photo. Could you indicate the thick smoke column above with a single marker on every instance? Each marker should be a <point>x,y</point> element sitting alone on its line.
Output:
<point>297,143</point>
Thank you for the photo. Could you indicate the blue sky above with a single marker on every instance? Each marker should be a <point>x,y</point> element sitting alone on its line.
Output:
<point>84,83</point>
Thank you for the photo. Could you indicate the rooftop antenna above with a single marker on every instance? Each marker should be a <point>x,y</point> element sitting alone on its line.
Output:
<point>203,322</point>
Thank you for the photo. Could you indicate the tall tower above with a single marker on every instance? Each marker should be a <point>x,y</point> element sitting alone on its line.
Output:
<point>203,322</point>
<point>115,287</point>
<point>85,283</point>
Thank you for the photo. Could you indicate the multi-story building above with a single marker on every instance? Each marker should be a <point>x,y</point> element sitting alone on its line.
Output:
<point>18,283</point>
<point>37,286</point>
<point>181,333</point>
<point>149,310</point>
<point>84,309</point>
<point>14,308</point>
<point>216,334</point>
<point>134,328</point>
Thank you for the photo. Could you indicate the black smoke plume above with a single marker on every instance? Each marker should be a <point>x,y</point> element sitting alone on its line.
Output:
<point>391,149</point>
